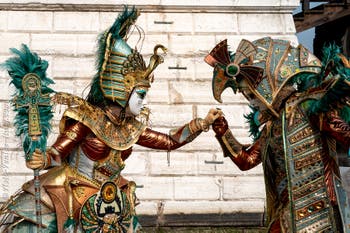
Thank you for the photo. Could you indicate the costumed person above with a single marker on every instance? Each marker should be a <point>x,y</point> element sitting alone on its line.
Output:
<point>83,190</point>
<point>300,114</point>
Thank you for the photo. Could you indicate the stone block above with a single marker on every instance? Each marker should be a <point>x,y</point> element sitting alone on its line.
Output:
<point>215,22</point>
<point>170,115</point>
<point>169,22</point>
<point>153,188</point>
<point>159,92</point>
<point>176,68</point>
<point>76,21</point>
<point>180,163</point>
<point>136,164</point>
<point>13,162</point>
<point>8,138</point>
<point>11,184</point>
<point>147,208</point>
<point>190,92</point>
<point>243,187</point>
<point>212,207</point>
<point>29,21</point>
<point>12,40</point>
<point>3,20</point>
<point>54,43</point>
<point>197,188</point>
<point>260,23</point>
<point>87,44</point>
<point>181,44</point>
<point>223,166</point>
<point>67,67</point>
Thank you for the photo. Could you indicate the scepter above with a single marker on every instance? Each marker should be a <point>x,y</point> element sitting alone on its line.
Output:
<point>32,105</point>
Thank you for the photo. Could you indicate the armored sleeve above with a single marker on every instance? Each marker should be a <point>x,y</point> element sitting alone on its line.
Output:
<point>244,156</point>
<point>175,139</point>
<point>66,141</point>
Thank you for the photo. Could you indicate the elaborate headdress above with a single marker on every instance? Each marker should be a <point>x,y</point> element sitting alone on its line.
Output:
<point>266,64</point>
<point>121,68</point>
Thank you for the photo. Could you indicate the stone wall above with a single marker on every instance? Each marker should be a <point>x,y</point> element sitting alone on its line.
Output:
<point>198,179</point>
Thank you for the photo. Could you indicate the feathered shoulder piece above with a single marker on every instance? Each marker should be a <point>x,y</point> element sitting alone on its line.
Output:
<point>334,82</point>
<point>31,101</point>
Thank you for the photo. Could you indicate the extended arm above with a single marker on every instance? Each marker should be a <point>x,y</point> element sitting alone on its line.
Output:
<point>245,157</point>
<point>178,137</point>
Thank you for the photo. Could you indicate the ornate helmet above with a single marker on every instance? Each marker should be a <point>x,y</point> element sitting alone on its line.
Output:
<point>267,65</point>
<point>121,68</point>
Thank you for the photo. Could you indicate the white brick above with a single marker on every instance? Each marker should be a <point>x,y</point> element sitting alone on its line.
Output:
<point>203,71</point>
<point>227,168</point>
<point>11,184</point>
<point>8,138</point>
<point>159,92</point>
<point>30,20</point>
<point>212,207</point>
<point>180,163</point>
<point>170,115</point>
<point>215,23</point>
<point>73,67</point>
<point>146,46</point>
<point>168,71</point>
<point>289,24</point>
<point>196,188</point>
<point>87,44</point>
<point>191,92</point>
<point>12,40</point>
<point>7,114</point>
<point>76,21</point>
<point>54,43</point>
<point>8,91</point>
<point>172,22</point>
<point>136,164</point>
<point>14,162</point>
<point>181,44</point>
<point>243,187</point>
<point>154,188</point>
<point>73,86</point>
<point>3,20</point>
<point>260,23</point>
<point>147,208</point>
<point>198,3</point>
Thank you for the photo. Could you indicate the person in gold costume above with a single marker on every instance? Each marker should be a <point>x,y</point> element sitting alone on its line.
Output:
<point>83,190</point>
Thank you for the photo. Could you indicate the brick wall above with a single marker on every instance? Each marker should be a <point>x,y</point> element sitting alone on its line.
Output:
<point>198,180</point>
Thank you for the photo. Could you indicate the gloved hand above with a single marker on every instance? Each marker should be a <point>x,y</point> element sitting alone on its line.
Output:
<point>38,160</point>
<point>220,126</point>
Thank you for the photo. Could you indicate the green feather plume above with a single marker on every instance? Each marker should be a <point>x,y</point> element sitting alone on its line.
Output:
<point>254,130</point>
<point>23,62</point>
<point>333,70</point>
<point>118,30</point>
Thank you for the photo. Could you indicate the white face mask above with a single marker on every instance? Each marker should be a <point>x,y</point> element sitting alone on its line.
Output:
<point>136,101</point>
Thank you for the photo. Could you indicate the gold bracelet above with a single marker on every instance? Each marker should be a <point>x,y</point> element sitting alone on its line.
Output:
<point>204,125</point>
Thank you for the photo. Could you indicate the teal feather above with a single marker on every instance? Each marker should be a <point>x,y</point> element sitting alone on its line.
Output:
<point>334,98</point>
<point>18,66</point>
<point>119,29</point>
<point>254,130</point>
